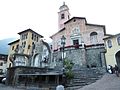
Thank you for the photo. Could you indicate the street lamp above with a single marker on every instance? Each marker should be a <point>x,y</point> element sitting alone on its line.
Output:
<point>63,45</point>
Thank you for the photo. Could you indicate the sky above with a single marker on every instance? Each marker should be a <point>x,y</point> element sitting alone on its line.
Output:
<point>42,15</point>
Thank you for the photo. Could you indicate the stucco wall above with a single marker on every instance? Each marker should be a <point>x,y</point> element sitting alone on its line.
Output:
<point>89,30</point>
<point>83,35</point>
<point>110,54</point>
<point>70,26</point>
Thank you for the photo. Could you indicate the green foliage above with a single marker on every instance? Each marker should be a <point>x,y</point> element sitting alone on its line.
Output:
<point>69,74</point>
<point>68,68</point>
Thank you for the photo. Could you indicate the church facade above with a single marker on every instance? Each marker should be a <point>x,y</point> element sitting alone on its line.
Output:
<point>84,43</point>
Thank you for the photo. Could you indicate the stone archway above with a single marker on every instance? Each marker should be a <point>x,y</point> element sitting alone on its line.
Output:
<point>117,56</point>
<point>36,62</point>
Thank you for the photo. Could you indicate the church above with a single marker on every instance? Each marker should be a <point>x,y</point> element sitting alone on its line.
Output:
<point>32,62</point>
<point>84,44</point>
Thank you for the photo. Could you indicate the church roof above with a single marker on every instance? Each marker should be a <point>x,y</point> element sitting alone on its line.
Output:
<point>85,24</point>
<point>58,32</point>
<point>85,21</point>
<point>97,25</point>
<point>75,18</point>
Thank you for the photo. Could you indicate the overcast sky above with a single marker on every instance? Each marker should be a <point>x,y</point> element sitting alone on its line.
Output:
<point>42,17</point>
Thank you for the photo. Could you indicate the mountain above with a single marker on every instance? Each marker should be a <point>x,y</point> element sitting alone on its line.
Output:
<point>4,47</point>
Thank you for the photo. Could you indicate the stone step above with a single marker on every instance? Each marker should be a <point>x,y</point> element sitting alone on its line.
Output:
<point>73,88</point>
<point>77,84</point>
<point>78,81</point>
<point>85,76</point>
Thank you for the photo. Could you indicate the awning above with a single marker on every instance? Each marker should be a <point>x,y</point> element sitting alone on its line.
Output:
<point>40,74</point>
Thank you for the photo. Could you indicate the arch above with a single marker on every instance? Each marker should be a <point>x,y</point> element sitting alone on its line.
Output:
<point>93,37</point>
<point>36,60</point>
<point>117,56</point>
<point>93,33</point>
<point>62,16</point>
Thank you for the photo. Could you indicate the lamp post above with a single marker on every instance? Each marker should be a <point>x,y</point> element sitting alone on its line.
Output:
<point>63,45</point>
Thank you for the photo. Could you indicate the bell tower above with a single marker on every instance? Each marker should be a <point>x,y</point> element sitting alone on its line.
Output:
<point>63,15</point>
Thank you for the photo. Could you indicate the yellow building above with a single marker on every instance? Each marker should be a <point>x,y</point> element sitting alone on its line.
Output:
<point>24,45</point>
<point>13,47</point>
<point>112,44</point>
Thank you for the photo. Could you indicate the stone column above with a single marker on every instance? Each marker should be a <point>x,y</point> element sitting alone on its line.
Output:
<point>57,80</point>
<point>46,79</point>
<point>103,59</point>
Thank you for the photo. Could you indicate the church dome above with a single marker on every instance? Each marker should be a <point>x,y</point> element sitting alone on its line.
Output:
<point>63,7</point>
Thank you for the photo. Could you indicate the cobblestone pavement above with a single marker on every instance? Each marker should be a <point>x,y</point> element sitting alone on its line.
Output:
<point>4,87</point>
<point>108,82</point>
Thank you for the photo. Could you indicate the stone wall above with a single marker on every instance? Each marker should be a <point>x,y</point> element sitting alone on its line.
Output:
<point>85,57</point>
<point>77,56</point>
<point>94,57</point>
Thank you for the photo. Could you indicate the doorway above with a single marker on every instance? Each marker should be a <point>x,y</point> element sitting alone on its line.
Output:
<point>117,56</point>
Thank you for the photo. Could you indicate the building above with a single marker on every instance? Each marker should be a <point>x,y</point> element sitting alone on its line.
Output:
<point>24,45</point>
<point>3,64</point>
<point>84,41</point>
<point>13,47</point>
<point>30,58</point>
<point>76,30</point>
<point>112,54</point>
<point>29,61</point>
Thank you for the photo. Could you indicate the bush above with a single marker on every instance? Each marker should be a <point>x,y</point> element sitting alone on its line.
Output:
<point>68,68</point>
<point>69,74</point>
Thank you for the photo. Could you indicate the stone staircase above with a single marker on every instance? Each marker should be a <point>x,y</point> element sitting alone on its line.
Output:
<point>85,76</point>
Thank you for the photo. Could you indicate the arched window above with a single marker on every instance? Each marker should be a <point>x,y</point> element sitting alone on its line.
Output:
<point>118,40</point>
<point>62,16</point>
<point>109,42</point>
<point>33,45</point>
<point>93,37</point>
<point>24,43</point>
